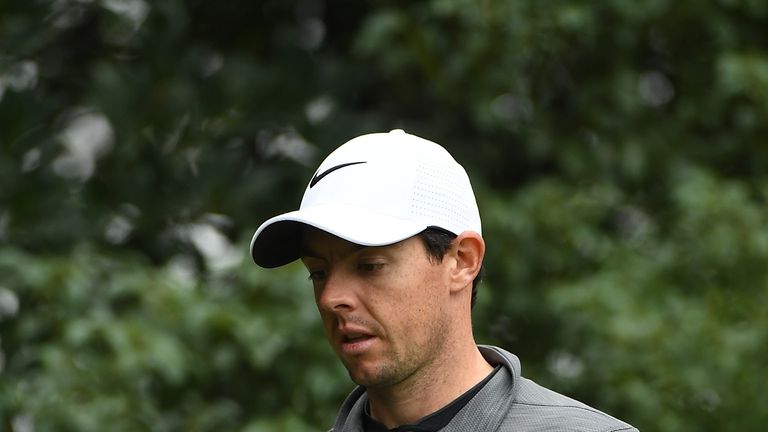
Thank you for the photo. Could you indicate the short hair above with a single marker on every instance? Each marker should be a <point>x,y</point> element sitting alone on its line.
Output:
<point>437,241</point>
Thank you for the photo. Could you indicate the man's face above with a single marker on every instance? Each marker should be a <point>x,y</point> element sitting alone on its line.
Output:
<point>383,308</point>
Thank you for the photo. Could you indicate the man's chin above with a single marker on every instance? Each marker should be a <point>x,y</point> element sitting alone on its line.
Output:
<point>361,375</point>
<point>371,376</point>
<point>367,381</point>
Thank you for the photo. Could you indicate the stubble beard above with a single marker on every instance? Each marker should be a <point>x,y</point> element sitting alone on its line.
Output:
<point>398,366</point>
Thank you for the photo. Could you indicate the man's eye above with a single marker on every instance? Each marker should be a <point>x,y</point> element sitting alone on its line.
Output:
<point>317,275</point>
<point>370,267</point>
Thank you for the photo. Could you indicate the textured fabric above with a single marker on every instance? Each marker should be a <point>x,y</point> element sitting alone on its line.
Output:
<point>508,402</point>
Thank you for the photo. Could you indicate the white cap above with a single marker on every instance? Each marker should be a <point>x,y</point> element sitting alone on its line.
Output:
<point>374,190</point>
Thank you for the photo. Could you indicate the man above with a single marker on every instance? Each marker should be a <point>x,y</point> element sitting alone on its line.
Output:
<point>390,233</point>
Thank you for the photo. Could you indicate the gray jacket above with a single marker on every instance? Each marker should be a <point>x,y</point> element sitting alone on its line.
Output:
<point>508,402</point>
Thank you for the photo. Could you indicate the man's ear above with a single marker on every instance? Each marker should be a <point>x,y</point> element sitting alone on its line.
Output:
<point>468,251</point>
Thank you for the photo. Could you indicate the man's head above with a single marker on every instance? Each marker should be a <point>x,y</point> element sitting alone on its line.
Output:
<point>392,312</point>
<point>390,232</point>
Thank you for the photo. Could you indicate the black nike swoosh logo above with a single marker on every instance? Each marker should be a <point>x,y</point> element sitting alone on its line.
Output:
<point>319,177</point>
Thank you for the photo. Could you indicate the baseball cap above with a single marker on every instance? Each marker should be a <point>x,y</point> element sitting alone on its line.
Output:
<point>374,190</point>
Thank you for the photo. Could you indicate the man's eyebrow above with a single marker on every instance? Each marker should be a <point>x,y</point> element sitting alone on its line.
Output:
<point>306,251</point>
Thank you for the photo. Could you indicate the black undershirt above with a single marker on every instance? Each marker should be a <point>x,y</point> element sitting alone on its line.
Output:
<point>435,421</point>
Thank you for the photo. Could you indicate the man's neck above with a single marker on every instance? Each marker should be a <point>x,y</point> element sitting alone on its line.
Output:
<point>429,389</point>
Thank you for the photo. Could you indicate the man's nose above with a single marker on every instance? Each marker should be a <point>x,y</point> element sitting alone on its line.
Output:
<point>338,293</point>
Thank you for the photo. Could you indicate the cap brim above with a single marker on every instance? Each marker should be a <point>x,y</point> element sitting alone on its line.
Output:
<point>278,241</point>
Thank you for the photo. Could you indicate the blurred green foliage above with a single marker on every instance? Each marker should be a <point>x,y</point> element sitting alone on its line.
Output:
<point>618,151</point>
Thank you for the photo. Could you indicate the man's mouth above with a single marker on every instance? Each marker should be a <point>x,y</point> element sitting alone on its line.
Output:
<point>351,338</point>
<point>354,343</point>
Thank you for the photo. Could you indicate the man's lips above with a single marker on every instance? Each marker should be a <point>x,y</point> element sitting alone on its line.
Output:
<point>354,341</point>
<point>348,331</point>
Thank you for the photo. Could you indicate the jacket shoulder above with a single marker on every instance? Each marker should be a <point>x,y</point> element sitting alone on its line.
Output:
<point>540,408</point>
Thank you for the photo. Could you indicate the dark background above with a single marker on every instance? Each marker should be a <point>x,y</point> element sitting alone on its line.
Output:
<point>618,150</point>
